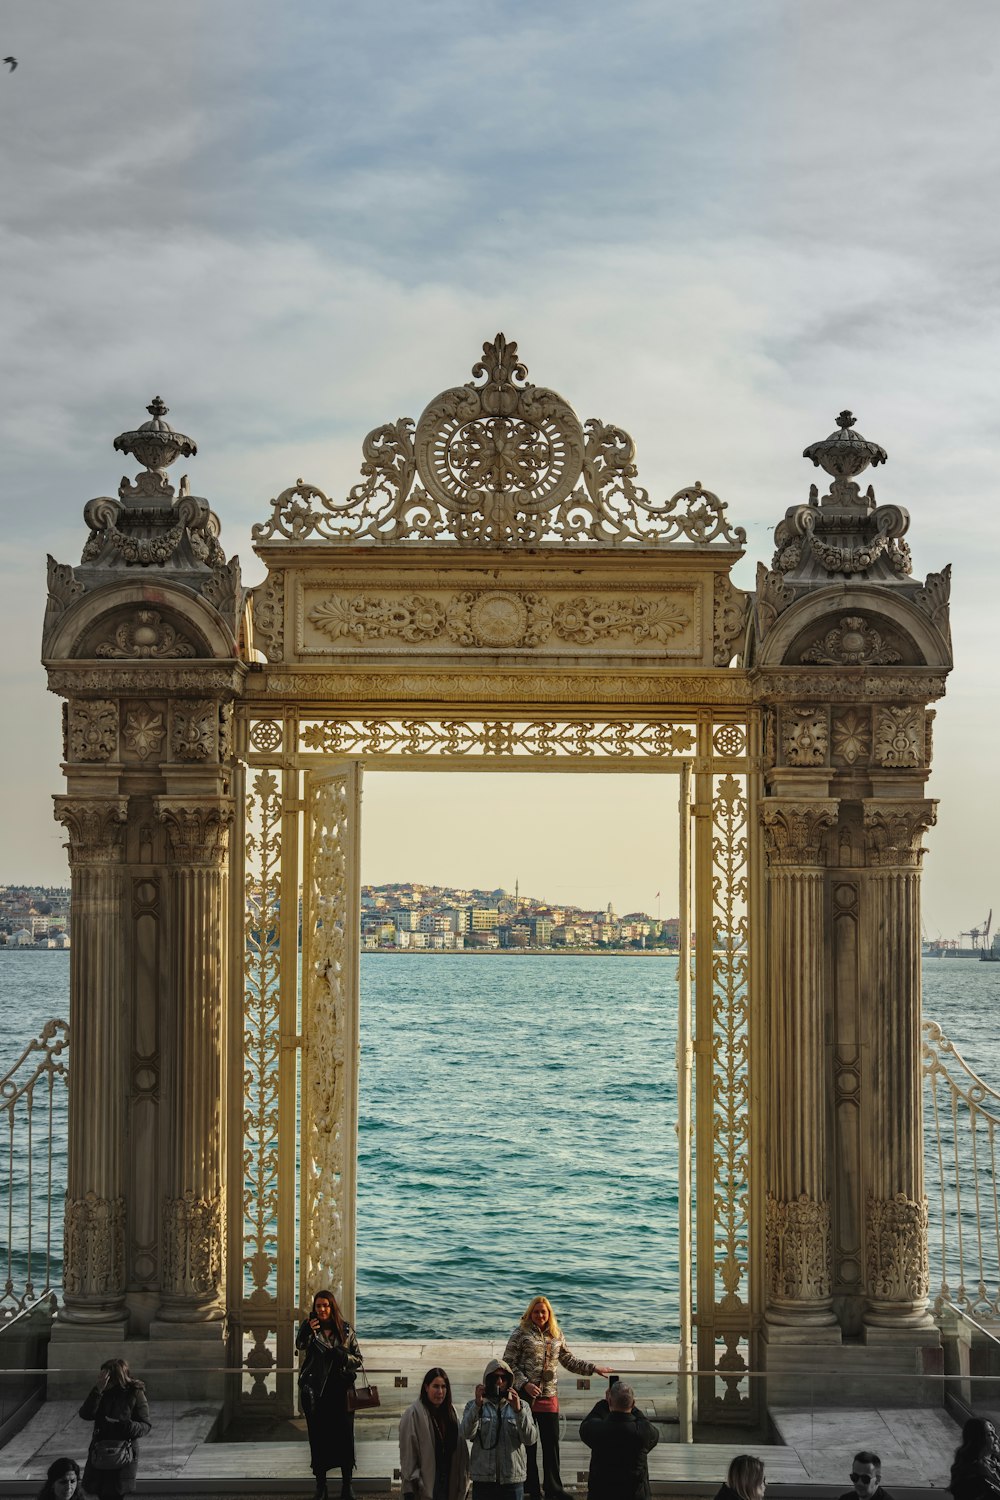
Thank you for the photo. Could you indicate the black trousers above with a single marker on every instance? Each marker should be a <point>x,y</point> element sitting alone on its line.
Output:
<point>547,1423</point>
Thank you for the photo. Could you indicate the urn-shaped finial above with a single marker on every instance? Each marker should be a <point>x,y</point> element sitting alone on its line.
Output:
<point>155,444</point>
<point>845,452</point>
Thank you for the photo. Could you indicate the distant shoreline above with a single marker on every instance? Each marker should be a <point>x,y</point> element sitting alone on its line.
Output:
<point>521,952</point>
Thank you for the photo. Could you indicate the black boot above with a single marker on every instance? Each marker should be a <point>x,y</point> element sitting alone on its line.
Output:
<point>320,1487</point>
<point>346,1492</point>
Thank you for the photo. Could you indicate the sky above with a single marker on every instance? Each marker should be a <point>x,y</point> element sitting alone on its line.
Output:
<point>714,224</point>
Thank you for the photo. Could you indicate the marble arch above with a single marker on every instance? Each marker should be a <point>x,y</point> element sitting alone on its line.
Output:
<point>498,589</point>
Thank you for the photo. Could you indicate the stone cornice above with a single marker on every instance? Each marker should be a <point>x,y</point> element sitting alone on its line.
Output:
<point>193,679</point>
<point>846,684</point>
<point>496,685</point>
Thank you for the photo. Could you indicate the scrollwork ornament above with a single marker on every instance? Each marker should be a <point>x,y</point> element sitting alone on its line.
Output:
<point>896,1259</point>
<point>852,643</point>
<point>495,463</point>
<point>729,618</point>
<point>893,830</point>
<point>94,1248</point>
<point>64,589</point>
<point>797,1249</point>
<point>269,616</point>
<point>147,636</point>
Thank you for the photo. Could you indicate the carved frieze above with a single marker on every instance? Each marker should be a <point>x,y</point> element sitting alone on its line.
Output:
<point>94,825</point>
<point>893,830</point>
<point>198,830</point>
<point>896,1260</point>
<point>269,616</point>
<point>794,832</point>
<point>851,685</point>
<point>805,736</point>
<point>510,687</point>
<point>797,1249</point>
<point>93,729</point>
<point>504,619</point>
<point>852,736</point>
<point>730,607</point>
<point>192,1247</point>
<point>194,730</point>
<point>852,643</point>
<point>95,1247</point>
<point>145,635</point>
<point>899,736</point>
<point>149,680</point>
<point>144,731</point>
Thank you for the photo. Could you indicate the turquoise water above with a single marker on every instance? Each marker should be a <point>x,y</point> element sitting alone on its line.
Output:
<point>517,1130</point>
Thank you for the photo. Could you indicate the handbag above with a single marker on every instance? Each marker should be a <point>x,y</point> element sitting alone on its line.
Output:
<point>111,1453</point>
<point>363,1397</point>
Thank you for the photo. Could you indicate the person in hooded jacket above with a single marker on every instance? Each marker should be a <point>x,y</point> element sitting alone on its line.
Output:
<point>619,1438</point>
<point>433,1454</point>
<point>499,1428</point>
<point>744,1481</point>
<point>118,1408</point>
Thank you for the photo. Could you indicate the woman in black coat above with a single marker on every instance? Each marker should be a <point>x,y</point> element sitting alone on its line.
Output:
<point>974,1473</point>
<point>118,1408</point>
<point>327,1373</point>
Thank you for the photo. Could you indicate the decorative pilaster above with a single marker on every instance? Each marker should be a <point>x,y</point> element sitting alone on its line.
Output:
<point>192,1274</point>
<point>797,1223</point>
<point>896,1261</point>
<point>94,1253</point>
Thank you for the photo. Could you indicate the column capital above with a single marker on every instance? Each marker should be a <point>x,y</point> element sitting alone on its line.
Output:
<point>896,1260</point>
<point>797,1260</point>
<point>893,828</point>
<point>94,1259</point>
<point>794,829</point>
<point>95,826</point>
<point>197,827</point>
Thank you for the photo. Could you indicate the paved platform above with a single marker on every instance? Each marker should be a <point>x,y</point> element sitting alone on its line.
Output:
<point>813,1451</point>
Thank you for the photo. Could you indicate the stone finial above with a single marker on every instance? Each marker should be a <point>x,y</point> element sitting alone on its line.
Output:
<point>155,444</point>
<point>845,452</point>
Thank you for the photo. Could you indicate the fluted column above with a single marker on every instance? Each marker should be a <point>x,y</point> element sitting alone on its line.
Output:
<point>192,1268</point>
<point>797,1226</point>
<point>896,1263</point>
<point>94,1251</point>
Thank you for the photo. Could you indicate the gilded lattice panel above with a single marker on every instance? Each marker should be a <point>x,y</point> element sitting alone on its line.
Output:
<point>498,739</point>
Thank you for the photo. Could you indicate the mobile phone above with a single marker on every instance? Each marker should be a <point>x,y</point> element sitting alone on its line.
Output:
<point>613,1380</point>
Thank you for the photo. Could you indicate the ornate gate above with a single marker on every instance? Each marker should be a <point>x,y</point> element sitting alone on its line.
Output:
<point>496,591</point>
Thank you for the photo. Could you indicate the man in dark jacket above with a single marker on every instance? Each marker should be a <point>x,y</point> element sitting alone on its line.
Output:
<point>866,1477</point>
<point>619,1437</point>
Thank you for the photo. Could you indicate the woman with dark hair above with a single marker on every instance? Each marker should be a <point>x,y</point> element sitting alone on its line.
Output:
<point>433,1455</point>
<point>62,1480</point>
<point>975,1474</point>
<point>326,1375</point>
<point>118,1408</point>
<point>745,1479</point>
<point>534,1351</point>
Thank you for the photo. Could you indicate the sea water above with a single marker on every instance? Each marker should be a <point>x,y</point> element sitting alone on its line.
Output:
<point>517,1130</point>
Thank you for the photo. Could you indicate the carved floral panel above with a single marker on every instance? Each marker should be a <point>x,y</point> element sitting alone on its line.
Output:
<point>805,736</point>
<point>608,620</point>
<point>899,736</point>
<point>93,729</point>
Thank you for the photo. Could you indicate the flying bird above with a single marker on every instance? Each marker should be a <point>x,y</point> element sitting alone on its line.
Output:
<point>12,61</point>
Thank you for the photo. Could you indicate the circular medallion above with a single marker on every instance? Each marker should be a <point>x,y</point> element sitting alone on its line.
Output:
<point>499,619</point>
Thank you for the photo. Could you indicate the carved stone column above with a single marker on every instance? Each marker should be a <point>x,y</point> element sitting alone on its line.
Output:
<point>797,1226</point>
<point>192,1223</point>
<point>94,1253</point>
<point>896,1263</point>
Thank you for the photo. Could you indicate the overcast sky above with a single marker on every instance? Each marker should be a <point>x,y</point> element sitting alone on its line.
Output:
<point>714,224</point>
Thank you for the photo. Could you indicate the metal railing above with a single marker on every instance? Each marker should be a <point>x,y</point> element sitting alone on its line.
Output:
<point>962,1129</point>
<point>35,1120</point>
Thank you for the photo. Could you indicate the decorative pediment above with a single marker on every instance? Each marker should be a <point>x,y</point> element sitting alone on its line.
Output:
<point>499,462</point>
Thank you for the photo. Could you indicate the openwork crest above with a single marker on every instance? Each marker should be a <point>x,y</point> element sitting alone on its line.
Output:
<point>499,462</point>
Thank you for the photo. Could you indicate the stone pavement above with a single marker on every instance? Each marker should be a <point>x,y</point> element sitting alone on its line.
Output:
<point>178,1457</point>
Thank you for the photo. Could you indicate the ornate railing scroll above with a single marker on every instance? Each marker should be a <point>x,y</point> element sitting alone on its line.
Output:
<point>963,1183</point>
<point>33,1106</point>
<point>499,462</point>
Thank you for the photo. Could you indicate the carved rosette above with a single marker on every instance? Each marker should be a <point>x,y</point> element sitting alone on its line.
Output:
<point>893,831</point>
<point>794,832</point>
<point>797,1251</point>
<point>94,1253</point>
<point>896,1258</point>
<point>144,730</point>
<point>198,830</point>
<point>192,1248</point>
<point>93,729</point>
<point>852,736</point>
<point>95,827</point>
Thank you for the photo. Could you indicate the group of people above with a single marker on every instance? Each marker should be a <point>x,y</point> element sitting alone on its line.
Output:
<point>118,1408</point>
<point>493,1444</point>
